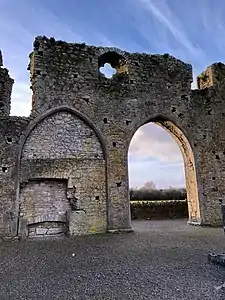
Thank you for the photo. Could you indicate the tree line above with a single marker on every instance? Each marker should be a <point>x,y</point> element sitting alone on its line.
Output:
<point>158,194</point>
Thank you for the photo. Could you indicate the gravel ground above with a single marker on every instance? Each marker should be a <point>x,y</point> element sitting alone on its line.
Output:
<point>161,260</point>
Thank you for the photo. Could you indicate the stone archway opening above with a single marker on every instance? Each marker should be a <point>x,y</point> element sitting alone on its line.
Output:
<point>160,156</point>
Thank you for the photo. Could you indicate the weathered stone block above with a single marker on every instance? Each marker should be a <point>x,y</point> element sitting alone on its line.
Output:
<point>41,231</point>
<point>54,231</point>
<point>78,223</point>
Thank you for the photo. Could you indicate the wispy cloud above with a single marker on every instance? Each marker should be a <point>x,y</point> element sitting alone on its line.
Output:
<point>152,141</point>
<point>163,13</point>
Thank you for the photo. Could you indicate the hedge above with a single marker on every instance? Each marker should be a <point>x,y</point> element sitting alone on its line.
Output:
<point>153,210</point>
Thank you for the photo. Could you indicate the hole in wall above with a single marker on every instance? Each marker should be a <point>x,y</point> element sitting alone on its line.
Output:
<point>128,122</point>
<point>111,63</point>
<point>1,104</point>
<point>213,178</point>
<point>118,184</point>
<point>4,169</point>
<point>107,70</point>
<point>217,156</point>
<point>96,197</point>
<point>114,144</point>
<point>105,120</point>
<point>174,109</point>
<point>8,140</point>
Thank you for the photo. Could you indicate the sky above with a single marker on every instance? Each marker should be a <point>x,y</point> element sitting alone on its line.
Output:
<point>193,31</point>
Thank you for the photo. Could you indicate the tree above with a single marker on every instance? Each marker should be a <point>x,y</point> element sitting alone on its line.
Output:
<point>148,186</point>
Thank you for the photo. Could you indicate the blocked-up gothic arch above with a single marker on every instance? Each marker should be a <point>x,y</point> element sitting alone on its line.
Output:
<point>56,149</point>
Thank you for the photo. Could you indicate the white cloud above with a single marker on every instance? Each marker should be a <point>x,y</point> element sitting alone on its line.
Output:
<point>21,100</point>
<point>153,141</point>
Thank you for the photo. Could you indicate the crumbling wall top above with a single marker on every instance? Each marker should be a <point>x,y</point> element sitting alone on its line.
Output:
<point>51,53</point>
<point>213,75</point>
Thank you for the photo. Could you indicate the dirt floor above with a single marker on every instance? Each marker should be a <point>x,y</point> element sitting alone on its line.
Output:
<point>160,260</point>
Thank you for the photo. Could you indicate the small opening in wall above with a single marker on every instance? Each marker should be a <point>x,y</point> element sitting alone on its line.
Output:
<point>96,197</point>
<point>128,122</point>
<point>174,109</point>
<point>217,156</point>
<point>105,120</point>
<point>1,104</point>
<point>213,152</point>
<point>9,140</point>
<point>195,145</point>
<point>4,169</point>
<point>111,63</point>
<point>118,184</point>
<point>213,178</point>
<point>180,115</point>
<point>114,144</point>
<point>107,70</point>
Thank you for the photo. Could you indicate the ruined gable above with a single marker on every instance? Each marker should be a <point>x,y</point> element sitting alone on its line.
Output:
<point>65,169</point>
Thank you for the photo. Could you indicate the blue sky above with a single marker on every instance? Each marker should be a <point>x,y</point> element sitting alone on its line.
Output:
<point>192,30</point>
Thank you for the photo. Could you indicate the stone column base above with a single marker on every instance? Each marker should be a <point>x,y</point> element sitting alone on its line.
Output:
<point>194,223</point>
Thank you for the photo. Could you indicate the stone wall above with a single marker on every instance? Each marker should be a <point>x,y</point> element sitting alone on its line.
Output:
<point>81,125</point>
<point>62,147</point>
<point>6,84</point>
<point>44,201</point>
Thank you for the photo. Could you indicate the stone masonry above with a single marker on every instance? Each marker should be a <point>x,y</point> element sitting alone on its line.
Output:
<point>64,168</point>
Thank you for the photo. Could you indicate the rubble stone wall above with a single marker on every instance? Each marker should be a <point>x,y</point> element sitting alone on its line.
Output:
<point>81,125</point>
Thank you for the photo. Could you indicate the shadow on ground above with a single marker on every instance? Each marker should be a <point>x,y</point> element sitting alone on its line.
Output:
<point>161,260</point>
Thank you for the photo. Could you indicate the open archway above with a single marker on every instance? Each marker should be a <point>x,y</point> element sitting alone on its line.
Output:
<point>187,178</point>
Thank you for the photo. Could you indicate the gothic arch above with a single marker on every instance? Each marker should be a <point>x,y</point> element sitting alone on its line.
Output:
<point>186,147</point>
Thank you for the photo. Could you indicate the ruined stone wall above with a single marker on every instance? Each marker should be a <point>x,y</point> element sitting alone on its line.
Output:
<point>82,123</point>
<point>6,84</point>
<point>146,86</point>
<point>11,129</point>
